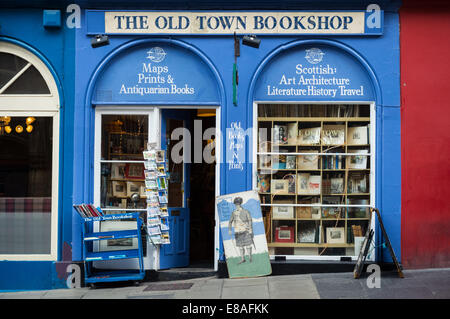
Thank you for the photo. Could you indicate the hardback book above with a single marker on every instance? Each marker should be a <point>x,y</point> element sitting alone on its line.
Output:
<point>291,183</point>
<point>290,161</point>
<point>292,133</point>
<point>307,162</point>
<point>355,161</point>
<point>358,212</point>
<point>308,184</point>
<point>309,136</point>
<point>333,135</point>
<point>307,232</point>
<point>304,211</point>
<point>302,183</point>
<point>357,183</point>
<point>264,183</point>
<point>357,135</point>
<point>280,134</point>
<point>337,185</point>
<point>314,184</point>
<point>279,161</point>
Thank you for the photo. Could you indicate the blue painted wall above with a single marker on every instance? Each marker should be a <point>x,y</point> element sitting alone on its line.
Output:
<point>55,47</point>
<point>70,55</point>
<point>379,54</point>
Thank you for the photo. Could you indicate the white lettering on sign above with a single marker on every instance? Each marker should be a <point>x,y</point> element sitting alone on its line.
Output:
<point>155,78</point>
<point>240,22</point>
<point>314,80</point>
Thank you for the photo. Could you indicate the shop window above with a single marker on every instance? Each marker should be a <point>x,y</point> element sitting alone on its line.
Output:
<point>315,177</point>
<point>29,138</point>
<point>123,140</point>
<point>18,76</point>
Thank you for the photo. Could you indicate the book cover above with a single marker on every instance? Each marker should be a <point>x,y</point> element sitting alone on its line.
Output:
<point>290,161</point>
<point>357,135</point>
<point>355,161</point>
<point>309,136</point>
<point>307,232</point>
<point>307,162</point>
<point>280,134</point>
<point>263,183</point>
<point>333,135</point>
<point>292,133</point>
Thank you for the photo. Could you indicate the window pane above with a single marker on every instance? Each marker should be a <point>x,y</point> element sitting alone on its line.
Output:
<point>30,82</point>
<point>26,187</point>
<point>10,65</point>
<point>124,137</point>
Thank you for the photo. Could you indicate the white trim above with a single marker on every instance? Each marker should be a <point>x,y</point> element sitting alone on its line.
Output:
<point>55,191</point>
<point>372,184</point>
<point>29,102</point>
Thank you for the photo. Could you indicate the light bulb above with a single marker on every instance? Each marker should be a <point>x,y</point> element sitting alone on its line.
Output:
<point>30,120</point>
<point>19,129</point>
<point>8,129</point>
<point>29,128</point>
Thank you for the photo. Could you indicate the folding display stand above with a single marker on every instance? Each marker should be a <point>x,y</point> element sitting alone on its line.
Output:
<point>89,255</point>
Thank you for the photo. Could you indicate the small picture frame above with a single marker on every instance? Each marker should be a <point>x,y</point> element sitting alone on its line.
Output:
<point>133,187</point>
<point>282,212</point>
<point>279,186</point>
<point>134,171</point>
<point>335,235</point>
<point>119,189</point>
<point>118,170</point>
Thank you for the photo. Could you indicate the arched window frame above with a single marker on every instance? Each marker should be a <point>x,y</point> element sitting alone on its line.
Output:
<point>37,105</point>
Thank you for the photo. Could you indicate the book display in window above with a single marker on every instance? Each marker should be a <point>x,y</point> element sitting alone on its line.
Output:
<point>320,166</point>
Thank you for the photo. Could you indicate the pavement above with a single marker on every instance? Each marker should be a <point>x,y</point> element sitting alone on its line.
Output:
<point>416,284</point>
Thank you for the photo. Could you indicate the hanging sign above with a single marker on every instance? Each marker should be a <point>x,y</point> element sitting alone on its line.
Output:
<point>229,22</point>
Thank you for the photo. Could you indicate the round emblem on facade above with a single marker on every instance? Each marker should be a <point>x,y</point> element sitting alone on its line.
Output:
<point>314,55</point>
<point>156,54</point>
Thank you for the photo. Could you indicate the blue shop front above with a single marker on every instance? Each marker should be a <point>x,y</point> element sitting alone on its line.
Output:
<point>278,101</point>
<point>36,106</point>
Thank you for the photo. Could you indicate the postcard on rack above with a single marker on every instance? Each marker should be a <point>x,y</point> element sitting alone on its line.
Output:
<point>243,234</point>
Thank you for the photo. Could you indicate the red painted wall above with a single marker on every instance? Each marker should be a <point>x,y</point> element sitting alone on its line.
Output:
<point>425,120</point>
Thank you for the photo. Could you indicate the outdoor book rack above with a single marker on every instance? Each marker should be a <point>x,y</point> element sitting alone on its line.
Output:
<point>90,254</point>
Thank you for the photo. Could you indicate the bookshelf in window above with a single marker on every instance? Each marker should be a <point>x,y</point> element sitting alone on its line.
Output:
<point>314,176</point>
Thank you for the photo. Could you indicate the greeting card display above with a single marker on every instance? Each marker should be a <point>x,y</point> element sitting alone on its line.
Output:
<point>157,195</point>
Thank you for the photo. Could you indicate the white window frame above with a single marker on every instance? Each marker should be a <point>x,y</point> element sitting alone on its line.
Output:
<point>152,260</point>
<point>37,105</point>
<point>372,154</point>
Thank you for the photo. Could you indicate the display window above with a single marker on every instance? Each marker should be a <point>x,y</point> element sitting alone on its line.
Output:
<point>315,176</point>
<point>29,138</point>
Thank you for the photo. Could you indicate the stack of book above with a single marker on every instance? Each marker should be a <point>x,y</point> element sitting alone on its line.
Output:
<point>88,211</point>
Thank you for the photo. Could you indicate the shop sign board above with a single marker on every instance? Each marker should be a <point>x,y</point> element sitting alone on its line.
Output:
<point>243,235</point>
<point>314,73</point>
<point>216,23</point>
<point>158,73</point>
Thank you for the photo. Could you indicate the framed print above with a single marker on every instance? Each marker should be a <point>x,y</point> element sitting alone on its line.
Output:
<point>133,187</point>
<point>119,189</point>
<point>134,171</point>
<point>335,235</point>
<point>309,136</point>
<point>279,186</point>
<point>282,212</point>
<point>357,135</point>
<point>333,135</point>
<point>118,170</point>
